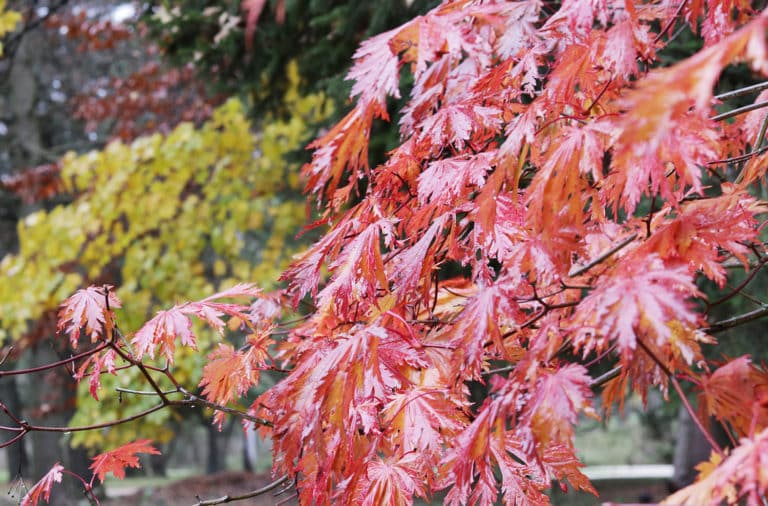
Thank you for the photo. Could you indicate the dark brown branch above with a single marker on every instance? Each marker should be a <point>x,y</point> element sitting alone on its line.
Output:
<point>606,377</point>
<point>247,495</point>
<point>737,320</point>
<point>53,365</point>
<point>26,428</point>
<point>741,285</point>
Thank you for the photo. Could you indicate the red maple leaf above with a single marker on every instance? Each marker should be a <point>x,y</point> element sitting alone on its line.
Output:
<point>42,489</point>
<point>87,308</point>
<point>115,461</point>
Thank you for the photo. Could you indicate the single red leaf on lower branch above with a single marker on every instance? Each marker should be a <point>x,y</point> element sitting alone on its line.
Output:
<point>42,489</point>
<point>115,461</point>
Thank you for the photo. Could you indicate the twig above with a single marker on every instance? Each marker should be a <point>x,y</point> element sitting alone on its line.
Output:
<point>671,22</point>
<point>128,357</point>
<point>499,370</point>
<point>581,270</point>
<point>742,91</point>
<point>676,384</point>
<point>606,377</point>
<point>738,320</point>
<point>247,495</point>
<point>143,392</point>
<point>741,285</point>
<point>739,110</point>
<point>192,400</point>
<point>54,364</point>
<point>7,354</point>
<point>740,158</point>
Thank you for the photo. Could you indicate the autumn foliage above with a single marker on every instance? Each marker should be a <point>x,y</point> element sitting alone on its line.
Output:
<point>555,202</point>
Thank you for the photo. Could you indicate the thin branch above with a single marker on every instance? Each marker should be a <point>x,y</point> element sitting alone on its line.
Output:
<point>740,158</point>
<point>128,357</point>
<point>581,270</point>
<point>761,134</point>
<point>7,354</point>
<point>676,384</point>
<point>53,365</point>
<point>247,495</point>
<point>671,22</point>
<point>739,110</point>
<point>743,91</point>
<point>13,439</point>
<point>192,400</point>
<point>751,298</point>
<point>741,285</point>
<point>143,392</point>
<point>499,370</point>
<point>25,427</point>
<point>103,425</point>
<point>601,356</point>
<point>606,377</point>
<point>738,320</point>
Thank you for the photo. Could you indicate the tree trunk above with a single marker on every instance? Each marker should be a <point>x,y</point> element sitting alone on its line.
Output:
<point>217,449</point>
<point>691,448</point>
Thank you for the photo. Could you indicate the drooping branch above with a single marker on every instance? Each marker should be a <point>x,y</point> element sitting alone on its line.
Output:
<point>53,365</point>
<point>240,497</point>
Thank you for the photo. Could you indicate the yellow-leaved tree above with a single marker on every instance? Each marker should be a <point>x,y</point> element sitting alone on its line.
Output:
<point>164,218</point>
<point>9,19</point>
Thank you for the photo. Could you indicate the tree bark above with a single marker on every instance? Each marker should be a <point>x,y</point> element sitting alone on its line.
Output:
<point>691,448</point>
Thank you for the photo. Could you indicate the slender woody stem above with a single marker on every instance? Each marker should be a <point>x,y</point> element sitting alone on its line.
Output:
<point>742,91</point>
<point>53,365</point>
<point>581,270</point>
<point>739,110</point>
<point>738,320</point>
<point>676,384</point>
<point>247,495</point>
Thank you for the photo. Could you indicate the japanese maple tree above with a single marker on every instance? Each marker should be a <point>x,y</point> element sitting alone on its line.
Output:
<point>555,201</point>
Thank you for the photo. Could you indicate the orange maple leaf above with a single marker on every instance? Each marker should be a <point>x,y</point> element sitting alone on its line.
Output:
<point>115,461</point>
